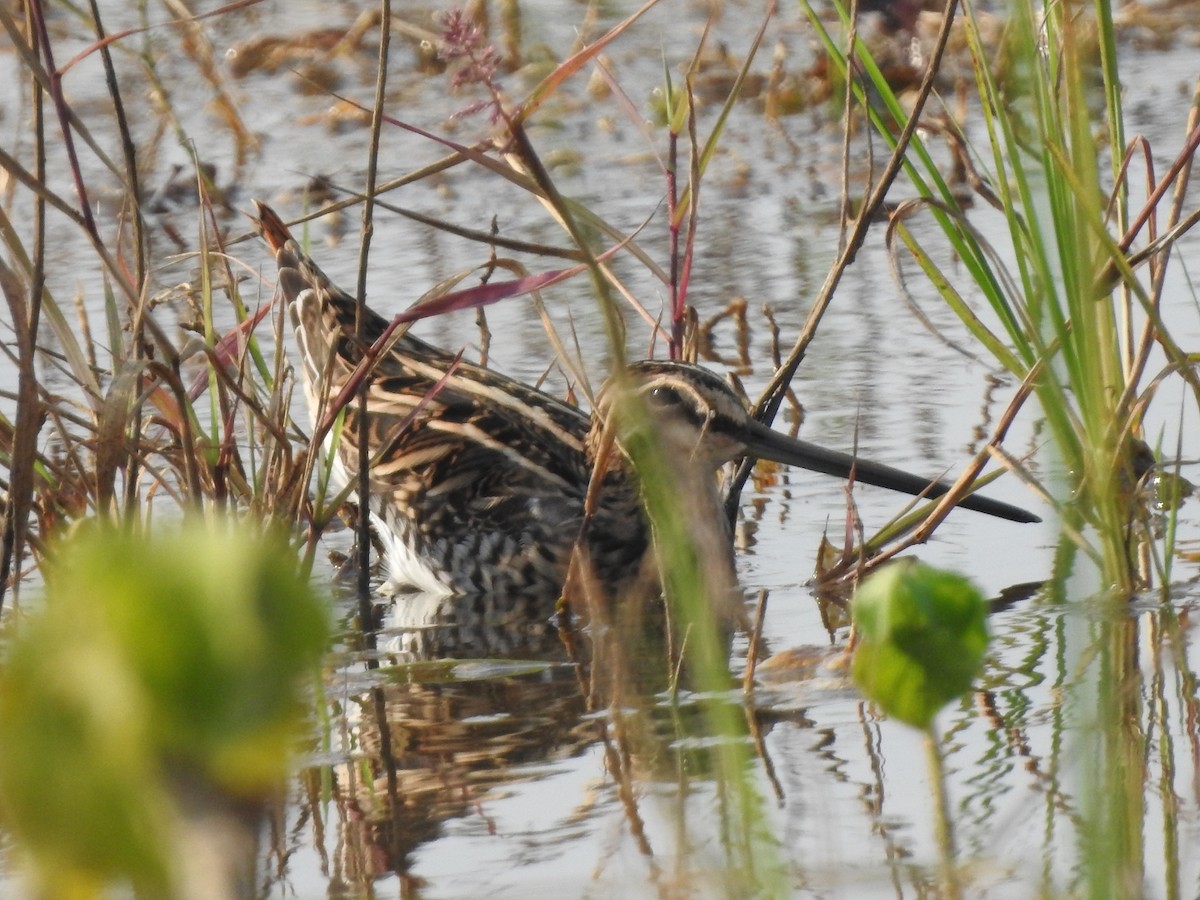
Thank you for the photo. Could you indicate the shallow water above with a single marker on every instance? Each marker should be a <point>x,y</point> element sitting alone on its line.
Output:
<point>487,775</point>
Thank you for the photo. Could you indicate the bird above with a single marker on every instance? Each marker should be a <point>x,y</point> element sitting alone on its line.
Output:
<point>479,483</point>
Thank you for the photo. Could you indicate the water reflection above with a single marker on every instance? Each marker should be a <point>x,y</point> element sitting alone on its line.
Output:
<point>469,707</point>
<point>435,626</point>
<point>461,698</point>
<point>425,752</point>
<point>465,703</point>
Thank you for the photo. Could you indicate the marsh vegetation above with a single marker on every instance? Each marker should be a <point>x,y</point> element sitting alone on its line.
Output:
<point>954,239</point>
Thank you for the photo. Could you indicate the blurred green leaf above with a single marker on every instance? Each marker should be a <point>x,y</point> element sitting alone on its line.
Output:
<point>159,661</point>
<point>922,638</point>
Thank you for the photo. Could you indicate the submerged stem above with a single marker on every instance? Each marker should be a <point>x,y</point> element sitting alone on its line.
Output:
<point>945,832</point>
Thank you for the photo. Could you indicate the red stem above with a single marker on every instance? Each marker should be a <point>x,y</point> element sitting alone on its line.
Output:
<point>673,227</point>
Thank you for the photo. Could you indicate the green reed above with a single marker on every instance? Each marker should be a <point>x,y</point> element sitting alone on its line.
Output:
<point>1069,309</point>
<point>690,542</point>
<point>1063,296</point>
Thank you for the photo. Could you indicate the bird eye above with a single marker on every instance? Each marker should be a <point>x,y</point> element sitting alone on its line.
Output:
<point>662,397</point>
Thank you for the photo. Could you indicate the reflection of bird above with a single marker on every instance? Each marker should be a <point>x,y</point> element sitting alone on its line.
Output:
<point>479,483</point>
<point>438,745</point>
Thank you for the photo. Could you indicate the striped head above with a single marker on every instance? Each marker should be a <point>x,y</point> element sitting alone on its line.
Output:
<point>700,420</point>
<point>692,411</point>
<point>321,313</point>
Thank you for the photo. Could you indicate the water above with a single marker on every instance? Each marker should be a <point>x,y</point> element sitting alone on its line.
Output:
<point>498,781</point>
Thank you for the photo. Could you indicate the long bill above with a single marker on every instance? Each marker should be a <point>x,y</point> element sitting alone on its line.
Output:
<point>766,443</point>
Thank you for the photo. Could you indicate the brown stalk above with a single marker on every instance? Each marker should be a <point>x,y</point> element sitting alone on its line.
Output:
<point>360,319</point>
<point>753,652</point>
<point>1181,174</point>
<point>105,41</point>
<point>958,490</point>
<point>25,318</point>
<point>771,399</point>
<point>33,64</point>
<point>30,413</point>
<point>42,37</point>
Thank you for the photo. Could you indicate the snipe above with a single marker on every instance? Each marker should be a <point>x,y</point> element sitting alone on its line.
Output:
<point>483,488</point>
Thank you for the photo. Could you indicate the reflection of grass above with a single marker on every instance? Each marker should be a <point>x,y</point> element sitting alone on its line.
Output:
<point>922,636</point>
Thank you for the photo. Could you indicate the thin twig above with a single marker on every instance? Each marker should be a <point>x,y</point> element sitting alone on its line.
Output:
<point>771,399</point>
<point>360,322</point>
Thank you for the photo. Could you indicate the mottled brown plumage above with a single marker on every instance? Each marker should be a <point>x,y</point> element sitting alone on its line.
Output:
<point>479,486</point>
